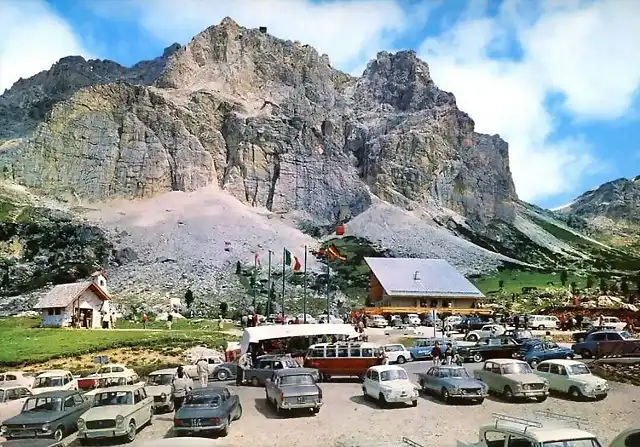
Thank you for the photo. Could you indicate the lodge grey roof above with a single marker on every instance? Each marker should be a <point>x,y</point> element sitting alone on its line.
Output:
<point>435,278</point>
<point>62,295</point>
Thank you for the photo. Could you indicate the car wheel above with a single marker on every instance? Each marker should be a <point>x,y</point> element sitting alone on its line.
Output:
<point>444,395</point>
<point>239,412</point>
<point>541,328</point>
<point>316,410</point>
<point>222,374</point>
<point>255,381</point>
<point>447,328</point>
<point>414,403</point>
<point>533,362</point>
<point>472,337</point>
<point>59,433</point>
<point>507,393</point>
<point>382,400</point>
<point>586,354</point>
<point>401,359</point>
<point>569,357</point>
<point>575,393</point>
<point>131,432</point>
<point>480,401</point>
<point>171,408</point>
<point>542,398</point>
<point>477,357</point>
<point>225,431</point>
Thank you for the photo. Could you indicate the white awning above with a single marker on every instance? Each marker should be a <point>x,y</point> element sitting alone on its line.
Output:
<point>271,332</point>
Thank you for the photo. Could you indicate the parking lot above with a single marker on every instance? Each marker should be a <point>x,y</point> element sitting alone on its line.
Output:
<point>347,418</point>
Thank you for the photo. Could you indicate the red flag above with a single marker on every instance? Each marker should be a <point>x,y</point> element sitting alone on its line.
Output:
<point>296,264</point>
<point>257,261</point>
<point>334,253</point>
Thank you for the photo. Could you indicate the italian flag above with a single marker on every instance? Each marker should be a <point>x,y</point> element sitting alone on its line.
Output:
<point>287,261</point>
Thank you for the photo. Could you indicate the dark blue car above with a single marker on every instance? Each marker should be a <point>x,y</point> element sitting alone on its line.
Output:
<point>536,350</point>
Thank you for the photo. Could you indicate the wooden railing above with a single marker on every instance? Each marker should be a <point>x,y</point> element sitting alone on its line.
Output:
<point>422,310</point>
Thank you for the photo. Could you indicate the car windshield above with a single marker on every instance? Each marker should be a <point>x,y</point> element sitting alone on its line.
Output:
<point>578,369</point>
<point>588,442</point>
<point>516,368</point>
<point>456,373</point>
<point>202,400</point>
<point>625,335</point>
<point>298,379</point>
<point>393,374</point>
<point>160,379</point>
<point>46,382</point>
<point>291,364</point>
<point>42,404</point>
<point>113,398</point>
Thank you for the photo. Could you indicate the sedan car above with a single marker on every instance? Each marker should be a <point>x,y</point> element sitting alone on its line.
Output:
<point>397,353</point>
<point>158,386</point>
<point>389,384</point>
<point>267,364</point>
<point>116,412</point>
<point>489,348</point>
<point>513,379</point>
<point>207,410</point>
<point>488,330</point>
<point>13,395</point>
<point>19,377</point>
<point>535,351</point>
<point>54,380</point>
<point>518,335</point>
<point>452,383</point>
<point>573,378</point>
<point>48,415</point>
<point>291,389</point>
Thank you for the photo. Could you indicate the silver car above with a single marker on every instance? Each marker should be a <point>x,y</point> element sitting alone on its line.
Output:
<point>290,389</point>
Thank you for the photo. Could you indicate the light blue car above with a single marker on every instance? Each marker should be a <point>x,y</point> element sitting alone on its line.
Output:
<point>421,348</point>
<point>452,383</point>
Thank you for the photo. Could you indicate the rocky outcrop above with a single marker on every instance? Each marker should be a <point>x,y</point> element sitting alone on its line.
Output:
<point>270,121</point>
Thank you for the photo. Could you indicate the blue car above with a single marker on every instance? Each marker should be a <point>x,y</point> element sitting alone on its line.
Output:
<point>588,347</point>
<point>536,350</point>
<point>207,410</point>
<point>452,383</point>
<point>421,348</point>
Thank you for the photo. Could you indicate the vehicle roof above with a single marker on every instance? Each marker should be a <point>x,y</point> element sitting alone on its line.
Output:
<point>350,344</point>
<point>274,357</point>
<point>164,371</point>
<point>293,371</point>
<point>380,368</point>
<point>15,373</point>
<point>565,362</point>
<point>608,330</point>
<point>449,367</point>
<point>505,361</point>
<point>113,364</point>
<point>123,388</point>
<point>210,390</point>
<point>546,433</point>
<point>58,393</point>
<point>53,372</point>
<point>12,384</point>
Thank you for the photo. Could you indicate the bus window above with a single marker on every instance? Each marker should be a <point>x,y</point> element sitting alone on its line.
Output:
<point>355,352</point>
<point>367,352</point>
<point>331,351</point>
<point>343,351</point>
<point>316,353</point>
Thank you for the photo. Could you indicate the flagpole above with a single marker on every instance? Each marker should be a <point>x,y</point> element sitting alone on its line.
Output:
<point>255,270</point>
<point>328,293</point>
<point>284,265</point>
<point>269,310</point>
<point>304,290</point>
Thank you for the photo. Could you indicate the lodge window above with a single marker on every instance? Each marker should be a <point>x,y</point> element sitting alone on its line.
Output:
<point>50,312</point>
<point>57,311</point>
<point>434,303</point>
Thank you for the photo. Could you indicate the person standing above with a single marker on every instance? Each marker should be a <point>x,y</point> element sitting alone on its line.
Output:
<point>179,388</point>
<point>449,353</point>
<point>385,357</point>
<point>145,319</point>
<point>169,320</point>
<point>436,354</point>
<point>202,368</point>
<point>244,362</point>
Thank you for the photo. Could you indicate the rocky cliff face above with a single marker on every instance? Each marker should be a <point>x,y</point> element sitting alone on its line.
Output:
<point>611,211</point>
<point>267,120</point>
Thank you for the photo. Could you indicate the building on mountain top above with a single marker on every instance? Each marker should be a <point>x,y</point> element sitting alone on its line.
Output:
<point>413,285</point>
<point>81,304</point>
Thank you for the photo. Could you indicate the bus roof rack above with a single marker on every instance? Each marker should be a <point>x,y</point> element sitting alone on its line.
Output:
<point>562,417</point>
<point>515,420</point>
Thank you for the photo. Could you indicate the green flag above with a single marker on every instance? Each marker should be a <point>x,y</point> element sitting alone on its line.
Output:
<point>287,257</point>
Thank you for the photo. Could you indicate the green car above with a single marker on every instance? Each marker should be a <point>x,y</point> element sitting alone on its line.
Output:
<point>513,379</point>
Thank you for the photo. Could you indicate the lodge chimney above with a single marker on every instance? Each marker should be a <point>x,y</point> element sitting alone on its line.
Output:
<point>263,29</point>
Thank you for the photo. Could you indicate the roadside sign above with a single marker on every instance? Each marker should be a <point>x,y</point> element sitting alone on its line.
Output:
<point>101,359</point>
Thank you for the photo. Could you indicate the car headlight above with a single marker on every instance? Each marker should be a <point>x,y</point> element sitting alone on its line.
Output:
<point>518,386</point>
<point>119,420</point>
<point>46,428</point>
<point>163,396</point>
<point>454,390</point>
<point>3,429</point>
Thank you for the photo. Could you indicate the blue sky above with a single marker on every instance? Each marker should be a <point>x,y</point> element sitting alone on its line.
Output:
<point>557,79</point>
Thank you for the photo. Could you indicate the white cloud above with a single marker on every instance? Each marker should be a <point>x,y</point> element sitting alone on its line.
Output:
<point>581,51</point>
<point>33,38</point>
<point>350,32</point>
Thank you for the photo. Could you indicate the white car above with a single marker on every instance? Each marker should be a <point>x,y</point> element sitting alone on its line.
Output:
<point>413,320</point>
<point>21,377</point>
<point>573,378</point>
<point>451,322</point>
<point>389,384</point>
<point>613,322</point>
<point>378,321</point>
<point>397,353</point>
<point>629,437</point>
<point>159,387</point>
<point>310,319</point>
<point>112,368</point>
<point>54,380</point>
<point>486,331</point>
<point>119,411</point>
<point>13,395</point>
<point>507,430</point>
<point>401,330</point>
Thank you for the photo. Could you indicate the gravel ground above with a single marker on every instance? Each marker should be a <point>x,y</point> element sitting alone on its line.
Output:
<point>347,418</point>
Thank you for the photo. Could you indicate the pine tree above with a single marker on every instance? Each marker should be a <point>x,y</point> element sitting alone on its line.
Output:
<point>563,278</point>
<point>589,282</point>
<point>501,284</point>
<point>224,307</point>
<point>238,268</point>
<point>574,288</point>
<point>603,285</point>
<point>624,287</point>
<point>188,298</point>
